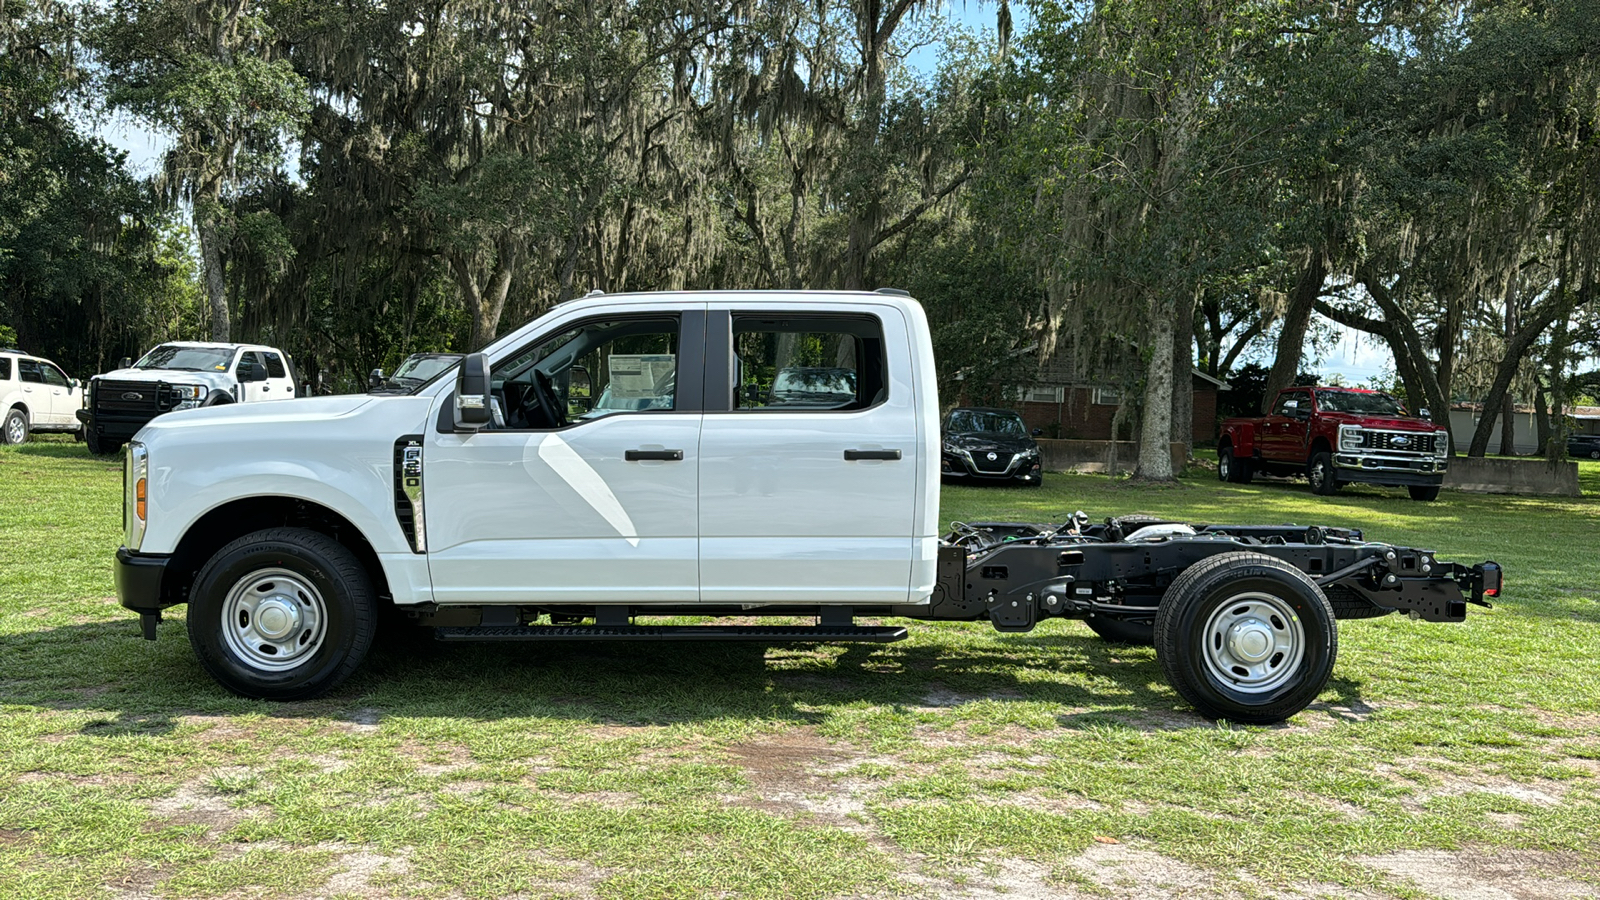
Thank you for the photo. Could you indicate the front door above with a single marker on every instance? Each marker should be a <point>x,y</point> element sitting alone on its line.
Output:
<point>574,496</point>
<point>809,456</point>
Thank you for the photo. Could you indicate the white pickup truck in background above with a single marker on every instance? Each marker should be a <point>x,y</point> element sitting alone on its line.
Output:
<point>180,375</point>
<point>630,456</point>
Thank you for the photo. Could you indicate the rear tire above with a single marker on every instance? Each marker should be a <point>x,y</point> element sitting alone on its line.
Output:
<point>1246,637</point>
<point>14,427</point>
<point>282,614</point>
<point>1231,468</point>
<point>1427,493</point>
<point>1122,631</point>
<point>1321,474</point>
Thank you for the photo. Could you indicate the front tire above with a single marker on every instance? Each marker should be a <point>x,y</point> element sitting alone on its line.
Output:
<point>1246,637</point>
<point>1320,473</point>
<point>1427,493</point>
<point>282,614</point>
<point>14,427</point>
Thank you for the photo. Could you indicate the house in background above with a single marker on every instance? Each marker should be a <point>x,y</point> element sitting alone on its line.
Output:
<point>1068,404</point>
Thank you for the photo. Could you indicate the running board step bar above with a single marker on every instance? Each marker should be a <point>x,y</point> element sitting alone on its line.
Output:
<point>883,634</point>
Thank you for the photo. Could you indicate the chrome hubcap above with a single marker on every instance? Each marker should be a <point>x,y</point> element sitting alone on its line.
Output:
<point>273,619</point>
<point>14,430</point>
<point>1254,642</point>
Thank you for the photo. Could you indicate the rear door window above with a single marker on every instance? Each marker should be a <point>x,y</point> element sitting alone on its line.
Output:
<point>5,368</point>
<point>803,363</point>
<point>28,370</point>
<point>275,368</point>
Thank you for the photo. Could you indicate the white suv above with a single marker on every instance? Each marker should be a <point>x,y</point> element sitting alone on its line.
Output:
<point>35,395</point>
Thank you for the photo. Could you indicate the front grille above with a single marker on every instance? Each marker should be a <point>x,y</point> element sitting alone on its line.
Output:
<point>1398,441</point>
<point>982,462</point>
<point>128,397</point>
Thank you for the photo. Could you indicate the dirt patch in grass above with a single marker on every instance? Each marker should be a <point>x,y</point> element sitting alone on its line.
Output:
<point>358,868</point>
<point>787,774</point>
<point>1492,874</point>
<point>194,805</point>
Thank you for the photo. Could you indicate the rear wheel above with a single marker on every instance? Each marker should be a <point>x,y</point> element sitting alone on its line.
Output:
<point>282,614</point>
<point>1121,631</point>
<point>1424,492</point>
<point>14,427</point>
<point>1232,469</point>
<point>1246,637</point>
<point>1321,474</point>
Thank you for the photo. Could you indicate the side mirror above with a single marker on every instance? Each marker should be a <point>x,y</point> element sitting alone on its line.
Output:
<point>473,403</point>
<point>578,385</point>
<point>1038,431</point>
<point>752,393</point>
<point>375,380</point>
<point>1423,412</point>
<point>127,363</point>
<point>250,371</point>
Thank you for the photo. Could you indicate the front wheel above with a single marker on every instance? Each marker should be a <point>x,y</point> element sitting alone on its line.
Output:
<point>1232,469</point>
<point>14,427</point>
<point>1427,493</point>
<point>99,446</point>
<point>1321,474</point>
<point>1246,637</point>
<point>282,614</point>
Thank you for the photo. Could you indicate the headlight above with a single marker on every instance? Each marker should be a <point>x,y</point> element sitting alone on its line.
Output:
<point>187,396</point>
<point>1441,444</point>
<point>137,487</point>
<point>1029,453</point>
<point>1349,437</point>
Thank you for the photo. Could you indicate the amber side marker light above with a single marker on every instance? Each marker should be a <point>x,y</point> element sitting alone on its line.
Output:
<point>138,499</point>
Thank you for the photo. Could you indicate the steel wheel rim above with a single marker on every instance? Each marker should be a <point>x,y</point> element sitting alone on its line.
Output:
<point>1318,472</point>
<point>1224,464</point>
<point>14,429</point>
<point>274,619</point>
<point>1254,642</point>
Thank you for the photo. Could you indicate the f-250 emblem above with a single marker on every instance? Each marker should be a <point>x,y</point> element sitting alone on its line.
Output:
<point>133,395</point>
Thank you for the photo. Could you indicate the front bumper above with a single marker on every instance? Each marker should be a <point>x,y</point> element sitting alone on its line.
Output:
<point>1019,469</point>
<point>1395,469</point>
<point>138,578</point>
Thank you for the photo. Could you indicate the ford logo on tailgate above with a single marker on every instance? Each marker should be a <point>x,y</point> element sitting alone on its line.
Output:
<point>133,395</point>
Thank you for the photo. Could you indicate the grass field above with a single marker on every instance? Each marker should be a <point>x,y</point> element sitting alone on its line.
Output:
<point>1444,760</point>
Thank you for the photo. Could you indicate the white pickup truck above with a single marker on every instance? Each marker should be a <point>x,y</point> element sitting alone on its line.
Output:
<point>498,502</point>
<point>180,375</point>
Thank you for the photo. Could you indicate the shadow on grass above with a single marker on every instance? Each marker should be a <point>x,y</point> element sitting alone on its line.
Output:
<point>1072,680</point>
<point>65,450</point>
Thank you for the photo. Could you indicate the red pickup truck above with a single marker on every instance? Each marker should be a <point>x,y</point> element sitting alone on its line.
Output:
<point>1336,436</point>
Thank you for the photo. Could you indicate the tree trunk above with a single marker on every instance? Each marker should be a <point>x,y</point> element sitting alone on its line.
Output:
<point>1155,430</point>
<point>1561,302</point>
<point>1183,375</point>
<point>205,226</point>
<point>1292,339</point>
<point>1508,426</point>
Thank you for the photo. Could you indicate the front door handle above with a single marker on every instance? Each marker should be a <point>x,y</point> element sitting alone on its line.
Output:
<point>637,455</point>
<point>853,455</point>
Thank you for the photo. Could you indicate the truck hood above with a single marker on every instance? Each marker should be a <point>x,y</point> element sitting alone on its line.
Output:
<point>214,380</point>
<point>1391,423</point>
<point>275,412</point>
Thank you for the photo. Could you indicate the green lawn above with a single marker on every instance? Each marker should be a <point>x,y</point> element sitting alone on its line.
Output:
<point>1443,759</point>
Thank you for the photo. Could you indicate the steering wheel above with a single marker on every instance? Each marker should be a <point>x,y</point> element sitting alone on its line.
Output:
<point>545,393</point>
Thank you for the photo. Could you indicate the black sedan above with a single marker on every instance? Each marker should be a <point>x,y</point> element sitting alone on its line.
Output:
<point>989,445</point>
<point>1584,445</point>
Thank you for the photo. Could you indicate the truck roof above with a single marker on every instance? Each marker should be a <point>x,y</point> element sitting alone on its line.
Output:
<point>218,345</point>
<point>668,298</point>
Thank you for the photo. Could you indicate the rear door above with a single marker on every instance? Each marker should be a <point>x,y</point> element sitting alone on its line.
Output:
<point>63,399</point>
<point>809,454</point>
<point>278,386</point>
<point>34,393</point>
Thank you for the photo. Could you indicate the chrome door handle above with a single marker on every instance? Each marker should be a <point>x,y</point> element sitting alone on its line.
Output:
<point>853,455</point>
<point>637,455</point>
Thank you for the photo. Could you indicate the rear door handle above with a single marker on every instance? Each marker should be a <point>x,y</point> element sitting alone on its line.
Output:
<point>637,455</point>
<point>853,455</point>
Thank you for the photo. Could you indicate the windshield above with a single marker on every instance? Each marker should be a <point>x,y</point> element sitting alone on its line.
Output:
<point>793,381</point>
<point>187,359</point>
<point>988,422</point>
<point>1360,403</point>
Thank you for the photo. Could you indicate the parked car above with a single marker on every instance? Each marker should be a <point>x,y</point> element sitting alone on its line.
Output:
<point>35,395</point>
<point>180,375</point>
<point>813,386</point>
<point>982,444</point>
<point>415,371</point>
<point>1336,436</point>
<point>1586,445</point>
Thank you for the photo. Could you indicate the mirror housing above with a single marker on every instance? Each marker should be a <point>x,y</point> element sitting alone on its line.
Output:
<point>1038,431</point>
<point>1423,412</point>
<point>473,405</point>
<point>127,363</point>
<point>375,379</point>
